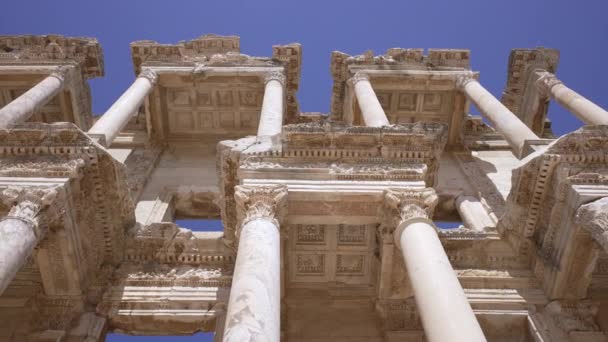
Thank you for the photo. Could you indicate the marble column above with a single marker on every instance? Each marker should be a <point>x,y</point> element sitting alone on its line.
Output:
<point>587,111</point>
<point>501,118</point>
<point>21,229</point>
<point>114,119</point>
<point>371,109</point>
<point>271,116</point>
<point>23,107</point>
<point>445,312</point>
<point>254,307</point>
<point>473,214</point>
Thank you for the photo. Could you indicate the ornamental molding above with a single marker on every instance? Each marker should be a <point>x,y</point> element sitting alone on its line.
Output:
<point>260,202</point>
<point>358,77</point>
<point>53,49</point>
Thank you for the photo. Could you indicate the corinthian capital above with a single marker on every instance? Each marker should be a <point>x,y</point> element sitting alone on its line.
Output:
<point>411,204</point>
<point>593,217</point>
<point>150,74</point>
<point>27,205</point>
<point>261,202</point>
<point>62,73</point>
<point>545,82</point>
<point>359,76</point>
<point>275,76</point>
<point>463,79</point>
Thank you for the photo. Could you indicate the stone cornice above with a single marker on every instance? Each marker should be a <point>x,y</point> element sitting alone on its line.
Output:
<point>268,203</point>
<point>398,58</point>
<point>53,49</point>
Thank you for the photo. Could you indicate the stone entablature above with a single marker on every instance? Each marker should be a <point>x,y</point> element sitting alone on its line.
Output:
<point>520,94</point>
<point>330,225</point>
<point>48,50</point>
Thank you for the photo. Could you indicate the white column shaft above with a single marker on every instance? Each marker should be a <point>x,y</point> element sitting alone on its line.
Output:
<point>23,107</point>
<point>443,306</point>
<point>473,213</point>
<point>585,110</point>
<point>255,297</point>
<point>17,241</point>
<point>271,117</point>
<point>114,120</point>
<point>501,118</point>
<point>371,109</point>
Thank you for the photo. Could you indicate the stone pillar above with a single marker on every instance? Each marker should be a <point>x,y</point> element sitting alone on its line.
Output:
<point>23,107</point>
<point>271,117</point>
<point>254,307</point>
<point>21,229</point>
<point>587,111</point>
<point>501,118</point>
<point>114,119</point>
<point>371,109</point>
<point>445,312</point>
<point>473,214</point>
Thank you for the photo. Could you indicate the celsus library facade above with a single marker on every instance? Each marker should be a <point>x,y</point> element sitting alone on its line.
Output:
<point>334,224</point>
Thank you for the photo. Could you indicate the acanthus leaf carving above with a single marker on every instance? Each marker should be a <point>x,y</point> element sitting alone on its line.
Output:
<point>261,202</point>
<point>28,205</point>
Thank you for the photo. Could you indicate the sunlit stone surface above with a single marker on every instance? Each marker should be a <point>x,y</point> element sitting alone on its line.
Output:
<point>329,221</point>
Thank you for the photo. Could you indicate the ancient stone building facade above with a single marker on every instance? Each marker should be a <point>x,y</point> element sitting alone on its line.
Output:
<point>329,222</point>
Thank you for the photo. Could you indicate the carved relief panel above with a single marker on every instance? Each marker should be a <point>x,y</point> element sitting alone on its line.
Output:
<point>331,253</point>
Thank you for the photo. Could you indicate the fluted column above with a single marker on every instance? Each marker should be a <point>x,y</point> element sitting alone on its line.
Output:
<point>114,119</point>
<point>21,229</point>
<point>23,107</point>
<point>582,108</point>
<point>371,109</point>
<point>502,119</point>
<point>254,307</point>
<point>271,117</point>
<point>445,312</point>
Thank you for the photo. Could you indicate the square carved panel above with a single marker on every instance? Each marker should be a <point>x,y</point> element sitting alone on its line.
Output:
<point>407,101</point>
<point>310,264</point>
<point>310,234</point>
<point>385,100</point>
<point>224,98</point>
<point>431,102</point>
<point>350,264</point>
<point>351,235</point>
<point>203,99</point>
<point>179,97</point>
<point>250,98</point>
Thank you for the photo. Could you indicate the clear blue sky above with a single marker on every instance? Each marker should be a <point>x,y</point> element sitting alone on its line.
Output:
<point>489,28</point>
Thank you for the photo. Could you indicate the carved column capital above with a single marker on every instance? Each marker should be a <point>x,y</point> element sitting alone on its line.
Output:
<point>359,76</point>
<point>463,79</point>
<point>593,218</point>
<point>150,74</point>
<point>545,82</point>
<point>27,205</point>
<point>260,202</point>
<point>62,73</point>
<point>275,76</point>
<point>405,206</point>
